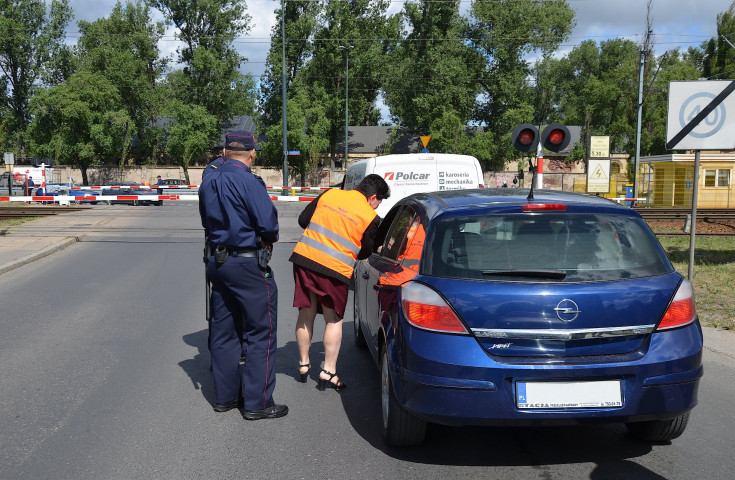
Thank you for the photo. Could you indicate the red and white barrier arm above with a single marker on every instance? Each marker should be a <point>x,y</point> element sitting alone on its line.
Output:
<point>182,187</point>
<point>624,199</point>
<point>72,198</point>
<point>284,198</point>
<point>301,188</point>
<point>105,198</point>
<point>113,187</point>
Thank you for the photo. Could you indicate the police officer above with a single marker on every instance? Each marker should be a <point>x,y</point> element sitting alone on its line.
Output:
<point>211,166</point>
<point>240,218</point>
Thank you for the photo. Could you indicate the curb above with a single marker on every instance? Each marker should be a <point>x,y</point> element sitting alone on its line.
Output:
<point>44,252</point>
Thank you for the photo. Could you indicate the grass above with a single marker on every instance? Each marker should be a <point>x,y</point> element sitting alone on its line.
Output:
<point>714,269</point>
<point>6,224</point>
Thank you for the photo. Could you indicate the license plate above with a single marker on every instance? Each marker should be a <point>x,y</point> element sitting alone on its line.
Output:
<point>546,395</point>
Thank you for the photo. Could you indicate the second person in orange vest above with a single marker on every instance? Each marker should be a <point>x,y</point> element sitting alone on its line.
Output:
<point>341,226</point>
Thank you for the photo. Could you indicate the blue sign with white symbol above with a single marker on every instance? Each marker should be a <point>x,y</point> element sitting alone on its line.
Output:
<point>521,392</point>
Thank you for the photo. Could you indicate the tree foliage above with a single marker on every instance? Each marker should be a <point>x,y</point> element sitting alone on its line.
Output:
<point>81,122</point>
<point>124,48</point>
<point>207,29</point>
<point>433,71</point>
<point>190,134</point>
<point>30,37</point>
<point>464,77</point>
<point>505,32</point>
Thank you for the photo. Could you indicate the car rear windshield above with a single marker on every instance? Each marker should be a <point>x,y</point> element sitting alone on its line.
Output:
<point>552,247</point>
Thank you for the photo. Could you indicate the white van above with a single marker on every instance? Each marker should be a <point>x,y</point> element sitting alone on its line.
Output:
<point>416,172</point>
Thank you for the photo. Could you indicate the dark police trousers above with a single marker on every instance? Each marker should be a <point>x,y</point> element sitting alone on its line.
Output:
<point>241,290</point>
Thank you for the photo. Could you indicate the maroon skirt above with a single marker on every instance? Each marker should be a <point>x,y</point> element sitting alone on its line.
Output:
<point>329,291</point>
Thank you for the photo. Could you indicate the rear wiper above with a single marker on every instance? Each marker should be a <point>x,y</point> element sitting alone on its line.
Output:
<point>539,273</point>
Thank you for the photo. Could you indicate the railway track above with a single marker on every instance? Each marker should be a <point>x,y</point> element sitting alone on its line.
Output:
<point>705,214</point>
<point>672,221</point>
<point>21,211</point>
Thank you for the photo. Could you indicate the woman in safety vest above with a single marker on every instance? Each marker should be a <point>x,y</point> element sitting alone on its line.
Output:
<point>341,226</point>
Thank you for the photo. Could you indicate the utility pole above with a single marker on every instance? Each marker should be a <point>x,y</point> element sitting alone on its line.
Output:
<point>638,126</point>
<point>283,95</point>
<point>347,98</point>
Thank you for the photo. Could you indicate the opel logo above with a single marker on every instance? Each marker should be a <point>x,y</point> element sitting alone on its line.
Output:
<point>567,310</point>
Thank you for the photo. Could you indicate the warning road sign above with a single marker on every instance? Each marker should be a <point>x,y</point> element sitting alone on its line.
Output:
<point>598,176</point>
<point>701,115</point>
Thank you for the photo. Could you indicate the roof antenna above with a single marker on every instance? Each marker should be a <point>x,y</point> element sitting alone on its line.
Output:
<point>532,168</point>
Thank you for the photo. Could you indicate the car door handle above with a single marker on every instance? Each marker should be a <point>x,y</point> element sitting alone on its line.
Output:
<point>365,275</point>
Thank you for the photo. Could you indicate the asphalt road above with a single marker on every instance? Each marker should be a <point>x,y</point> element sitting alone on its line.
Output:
<point>104,373</point>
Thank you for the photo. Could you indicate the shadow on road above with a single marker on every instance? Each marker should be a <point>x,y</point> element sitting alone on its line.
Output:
<point>198,367</point>
<point>607,446</point>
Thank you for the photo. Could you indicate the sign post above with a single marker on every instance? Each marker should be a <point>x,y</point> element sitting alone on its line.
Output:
<point>598,165</point>
<point>698,119</point>
<point>9,158</point>
<point>425,141</point>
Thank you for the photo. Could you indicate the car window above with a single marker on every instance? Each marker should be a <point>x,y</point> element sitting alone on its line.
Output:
<point>584,247</point>
<point>397,239</point>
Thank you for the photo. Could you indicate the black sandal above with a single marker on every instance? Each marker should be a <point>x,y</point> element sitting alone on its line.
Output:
<point>304,376</point>
<point>327,382</point>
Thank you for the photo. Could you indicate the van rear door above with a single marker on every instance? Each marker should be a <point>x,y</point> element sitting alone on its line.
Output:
<point>458,172</point>
<point>406,175</point>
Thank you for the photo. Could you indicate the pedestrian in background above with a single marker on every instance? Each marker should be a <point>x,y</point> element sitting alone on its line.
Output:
<point>29,186</point>
<point>242,221</point>
<point>341,226</point>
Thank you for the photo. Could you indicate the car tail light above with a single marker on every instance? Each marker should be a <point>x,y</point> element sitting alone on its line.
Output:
<point>424,308</point>
<point>681,311</point>
<point>535,207</point>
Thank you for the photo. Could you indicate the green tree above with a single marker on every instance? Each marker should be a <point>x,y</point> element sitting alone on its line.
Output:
<point>671,66</point>
<point>30,35</point>
<point>81,122</point>
<point>319,36</point>
<point>595,86</point>
<point>505,32</point>
<point>207,29</point>
<point>349,29</point>
<point>718,54</point>
<point>433,70</point>
<point>300,22</point>
<point>191,133</point>
<point>124,48</point>
<point>307,133</point>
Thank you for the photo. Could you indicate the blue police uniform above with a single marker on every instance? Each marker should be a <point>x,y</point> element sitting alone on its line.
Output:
<point>212,166</point>
<point>235,209</point>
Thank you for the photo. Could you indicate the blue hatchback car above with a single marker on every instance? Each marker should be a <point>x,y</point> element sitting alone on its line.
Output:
<point>483,307</point>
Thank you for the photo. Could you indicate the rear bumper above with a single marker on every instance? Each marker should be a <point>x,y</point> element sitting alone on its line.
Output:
<point>473,388</point>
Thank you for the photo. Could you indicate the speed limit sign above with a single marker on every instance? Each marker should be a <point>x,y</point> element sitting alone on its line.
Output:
<point>701,116</point>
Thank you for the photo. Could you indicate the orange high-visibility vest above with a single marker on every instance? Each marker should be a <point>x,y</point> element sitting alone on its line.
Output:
<point>334,235</point>
<point>410,258</point>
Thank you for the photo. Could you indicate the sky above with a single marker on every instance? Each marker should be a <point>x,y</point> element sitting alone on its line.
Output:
<point>676,23</point>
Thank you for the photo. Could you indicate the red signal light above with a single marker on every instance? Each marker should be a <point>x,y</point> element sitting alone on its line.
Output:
<point>526,137</point>
<point>555,137</point>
